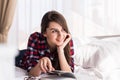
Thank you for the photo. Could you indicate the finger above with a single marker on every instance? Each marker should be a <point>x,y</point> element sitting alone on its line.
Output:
<point>50,65</point>
<point>68,36</point>
<point>53,68</point>
<point>45,64</point>
<point>67,40</point>
<point>41,66</point>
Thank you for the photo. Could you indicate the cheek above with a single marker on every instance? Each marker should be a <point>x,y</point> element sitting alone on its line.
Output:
<point>52,37</point>
<point>64,36</point>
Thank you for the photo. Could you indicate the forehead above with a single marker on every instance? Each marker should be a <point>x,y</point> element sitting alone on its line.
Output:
<point>55,25</point>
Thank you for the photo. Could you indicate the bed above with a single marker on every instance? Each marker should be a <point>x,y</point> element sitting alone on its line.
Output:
<point>96,58</point>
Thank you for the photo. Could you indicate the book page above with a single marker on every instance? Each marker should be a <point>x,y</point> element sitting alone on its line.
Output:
<point>59,75</point>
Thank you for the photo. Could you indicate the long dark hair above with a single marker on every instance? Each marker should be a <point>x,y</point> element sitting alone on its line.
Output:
<point>54,16</point>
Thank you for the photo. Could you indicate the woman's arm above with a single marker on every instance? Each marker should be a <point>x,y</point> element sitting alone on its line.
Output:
<point>31,61</point>
<point>62,59</point>
<point>44,65</point>
<point>63,62</point>
<point>35,71</point>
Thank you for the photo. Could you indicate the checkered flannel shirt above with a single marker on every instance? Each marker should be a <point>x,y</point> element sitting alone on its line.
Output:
<point>36,49</point>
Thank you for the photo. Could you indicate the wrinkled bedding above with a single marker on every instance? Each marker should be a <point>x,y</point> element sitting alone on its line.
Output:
<point>98,57</point>
<point>95,59</point>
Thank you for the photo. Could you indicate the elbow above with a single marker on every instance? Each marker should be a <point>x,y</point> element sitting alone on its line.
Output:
<point>34,73</point>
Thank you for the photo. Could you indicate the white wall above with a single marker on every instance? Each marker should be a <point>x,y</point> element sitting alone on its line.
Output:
<point>84,17</point>
<point>7,68</point>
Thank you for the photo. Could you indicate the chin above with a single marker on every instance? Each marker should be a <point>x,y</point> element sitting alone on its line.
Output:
<point>60,43</point>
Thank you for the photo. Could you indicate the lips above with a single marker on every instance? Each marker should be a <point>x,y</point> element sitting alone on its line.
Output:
<point>60,40</point>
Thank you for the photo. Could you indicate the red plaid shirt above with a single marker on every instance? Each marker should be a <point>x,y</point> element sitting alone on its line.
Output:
<point>37,48</point>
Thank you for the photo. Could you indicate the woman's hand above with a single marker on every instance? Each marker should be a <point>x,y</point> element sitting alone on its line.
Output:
<point>61,55</point>
<point>67,39</point>
<point>45,65</point>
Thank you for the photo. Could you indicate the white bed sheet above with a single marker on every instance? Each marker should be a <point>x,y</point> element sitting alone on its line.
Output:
<point>81,74</point>
<point>101,57</point>
<point>95,59</point>
<point>21,74</point>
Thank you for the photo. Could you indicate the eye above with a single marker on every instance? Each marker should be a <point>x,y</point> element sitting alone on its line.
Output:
<point>63,30</point>
<point>54,31</point>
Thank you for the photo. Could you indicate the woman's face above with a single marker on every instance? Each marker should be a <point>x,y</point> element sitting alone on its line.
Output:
<point>55,34</point>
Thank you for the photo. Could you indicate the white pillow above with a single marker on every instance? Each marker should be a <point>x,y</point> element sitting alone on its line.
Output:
<point>83,50</point>
<point>20,72</point>
<point>98,55</point>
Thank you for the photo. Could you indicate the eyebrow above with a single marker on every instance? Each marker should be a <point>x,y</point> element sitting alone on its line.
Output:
<point>53,29</point>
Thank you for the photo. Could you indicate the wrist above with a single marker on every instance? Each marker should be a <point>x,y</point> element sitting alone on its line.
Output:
<point>60,52</point>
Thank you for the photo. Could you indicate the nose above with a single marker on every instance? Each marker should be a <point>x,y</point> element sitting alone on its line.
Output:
<point>60,35</point>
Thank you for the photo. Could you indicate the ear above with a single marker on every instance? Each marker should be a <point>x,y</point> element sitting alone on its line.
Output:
<point>45,35</point>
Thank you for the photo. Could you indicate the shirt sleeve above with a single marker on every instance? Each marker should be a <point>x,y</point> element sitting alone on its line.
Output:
<point>71,53</point>
<point>31,57</point>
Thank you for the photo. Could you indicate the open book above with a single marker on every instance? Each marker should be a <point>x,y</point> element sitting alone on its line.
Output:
<point>59,75</point>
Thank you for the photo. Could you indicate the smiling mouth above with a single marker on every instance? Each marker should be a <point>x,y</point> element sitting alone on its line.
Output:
<point>60,40</point>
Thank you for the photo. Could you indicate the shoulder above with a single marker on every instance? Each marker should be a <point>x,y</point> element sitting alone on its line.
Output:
<point>37,35</point>
<point>36,40</point>
<point>71,47</point>
<point>71,43</point>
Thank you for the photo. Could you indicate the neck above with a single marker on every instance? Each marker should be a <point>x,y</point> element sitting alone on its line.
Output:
<point>51,47</point>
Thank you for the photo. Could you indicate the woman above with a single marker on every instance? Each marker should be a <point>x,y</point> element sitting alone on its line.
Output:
<point>51,49</point>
